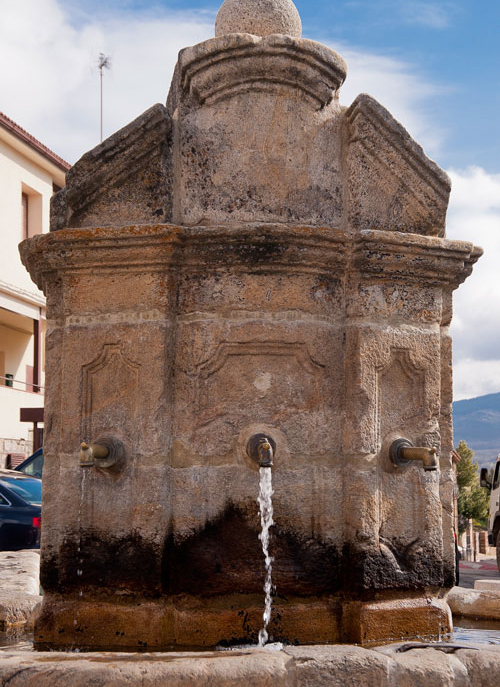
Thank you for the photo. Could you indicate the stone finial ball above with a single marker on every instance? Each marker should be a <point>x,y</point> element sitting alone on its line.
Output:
<point>258,17</point>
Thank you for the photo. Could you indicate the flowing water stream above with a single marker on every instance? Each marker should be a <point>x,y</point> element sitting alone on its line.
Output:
<point>265,502</point>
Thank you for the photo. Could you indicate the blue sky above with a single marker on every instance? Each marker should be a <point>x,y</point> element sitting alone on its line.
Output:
<point>434,64</point>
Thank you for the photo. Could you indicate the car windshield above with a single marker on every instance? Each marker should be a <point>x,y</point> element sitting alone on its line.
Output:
<point>34,467</point>
<point>28,489</point>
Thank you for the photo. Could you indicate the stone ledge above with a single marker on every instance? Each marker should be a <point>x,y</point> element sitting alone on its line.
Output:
<point>487,585</point>
<point>375,254</point>
<point>19,572</point>
<point>307,666</point>
<point>16,608</point>
<point>232,64</point>
<point>474,603</point>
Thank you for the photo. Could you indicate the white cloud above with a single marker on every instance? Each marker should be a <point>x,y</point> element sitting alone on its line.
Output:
<point>51,86</point>
<point>397,86</point>
<point>430,14</point>
<point>474,216</point>
<point>475,377</point>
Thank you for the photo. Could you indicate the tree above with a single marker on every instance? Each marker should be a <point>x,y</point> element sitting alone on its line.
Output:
<point>473,500</point>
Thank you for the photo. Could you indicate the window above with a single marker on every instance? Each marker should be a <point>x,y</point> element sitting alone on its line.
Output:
<point>25,204</point>
<point>495,478</point>
<point>32,212</point>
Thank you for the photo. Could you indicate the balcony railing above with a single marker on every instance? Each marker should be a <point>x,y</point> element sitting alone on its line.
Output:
<point>17,384</point>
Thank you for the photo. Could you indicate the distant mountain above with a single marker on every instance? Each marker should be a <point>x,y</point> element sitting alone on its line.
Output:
<point>477,421</point>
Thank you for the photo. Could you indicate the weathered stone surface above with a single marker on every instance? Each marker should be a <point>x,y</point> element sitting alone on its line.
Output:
<point>308,666</point>
<point>16,608</point>
<point>125,179</point>
<point>259,17</point>
<point>259,668</point>
<point>339,666</point>
<point>409,616</point>
<point>19,587</point>
<point>487,585</point>
<point>19,571</point>
<point>412,665</point>
<point>482,667</point>
<point>474,603</point>
<point>392,184</point>
<point>231,378</point>
<point>287,165</point>
<point>253,258</point>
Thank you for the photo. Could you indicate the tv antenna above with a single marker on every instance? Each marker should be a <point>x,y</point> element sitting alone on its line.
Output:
<point>103,62</point>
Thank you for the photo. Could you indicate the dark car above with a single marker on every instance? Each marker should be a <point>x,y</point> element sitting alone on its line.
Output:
<point>20,511</point>
<point>33,465</point>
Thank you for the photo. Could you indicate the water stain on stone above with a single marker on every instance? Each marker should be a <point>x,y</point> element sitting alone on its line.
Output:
<point>107,562</point>
<point>226,558</point>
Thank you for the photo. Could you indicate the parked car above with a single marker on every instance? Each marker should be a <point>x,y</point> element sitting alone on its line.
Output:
<point>33,465</point>
<point>20,511</point>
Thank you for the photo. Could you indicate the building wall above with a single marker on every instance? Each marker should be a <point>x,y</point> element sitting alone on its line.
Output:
<point>26,169</point>
<point>19,175</point>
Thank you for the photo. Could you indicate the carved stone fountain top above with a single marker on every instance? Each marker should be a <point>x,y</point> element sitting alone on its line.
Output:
<point>258,17</point>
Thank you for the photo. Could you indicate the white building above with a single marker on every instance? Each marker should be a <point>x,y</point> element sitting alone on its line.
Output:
<point>29,175</point>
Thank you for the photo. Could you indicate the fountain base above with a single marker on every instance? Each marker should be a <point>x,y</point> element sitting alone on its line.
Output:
<point>185,622</point>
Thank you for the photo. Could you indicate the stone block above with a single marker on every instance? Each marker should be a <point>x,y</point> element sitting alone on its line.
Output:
<point>487,585</point>
<point>474,603</point>
<point>420,616</point>
<point>392,184</point>
<point>126,179</point>
<point>16,608</point>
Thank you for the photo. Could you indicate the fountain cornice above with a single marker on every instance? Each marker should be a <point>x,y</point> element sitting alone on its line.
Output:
<point>226,66</point>
<point>369,254</point>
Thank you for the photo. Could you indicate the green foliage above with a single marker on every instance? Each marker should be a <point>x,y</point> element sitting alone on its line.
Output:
<point>467,469</point>
<point>473,500</point>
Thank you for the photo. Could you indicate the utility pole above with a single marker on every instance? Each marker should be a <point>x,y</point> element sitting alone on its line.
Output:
<point>103,62</point>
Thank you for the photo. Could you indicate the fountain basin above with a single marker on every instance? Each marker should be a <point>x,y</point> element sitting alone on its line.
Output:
<point>307,666</point>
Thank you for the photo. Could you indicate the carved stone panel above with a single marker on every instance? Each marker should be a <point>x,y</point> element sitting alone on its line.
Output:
<point>409,532</point>
<point>393,185</point>
<point>110,385</point>
<point>258,381</point>
<point>400,393</point>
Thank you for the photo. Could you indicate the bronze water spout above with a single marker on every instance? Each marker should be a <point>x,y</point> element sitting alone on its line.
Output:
<point>106,452</point>
<point>402,452</point>
<point>89,453</point>
<point>261,449</point>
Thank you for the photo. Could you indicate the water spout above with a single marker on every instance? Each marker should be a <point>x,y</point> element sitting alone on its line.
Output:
<point>106,452</point>
<point>261,449</point>
<point>89,453</point>
<point>402,452</point>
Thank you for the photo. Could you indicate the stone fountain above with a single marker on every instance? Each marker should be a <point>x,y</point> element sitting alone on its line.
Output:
<point>251,260</point>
